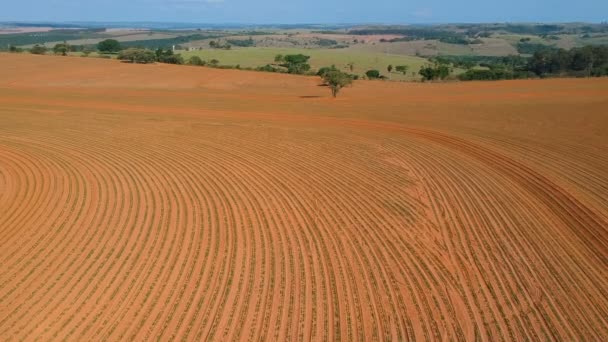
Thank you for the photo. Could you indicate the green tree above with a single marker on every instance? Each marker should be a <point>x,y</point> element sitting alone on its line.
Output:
<point>402,69</point>
<point>582,60</point>
<point>196,60</point>
<point>389,68</point>
<point>427,73</point>
<point>443,71</point>
<point>109,46</point>
<point>437,71</point>
<point>167,56</point>
<point>14,49</point>
<point>373,74</point>
<point>38,50</point>
<point>336,80</point>
<point>324,70</point>
<point>136,55</point>
<point>214,62</point>
<point>172,59</point>
<point>296,64</point>
<point>61,49</point>
<point>279,59</point>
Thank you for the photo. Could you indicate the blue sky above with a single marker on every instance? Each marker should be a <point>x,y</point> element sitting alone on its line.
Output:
<point>305,11</point>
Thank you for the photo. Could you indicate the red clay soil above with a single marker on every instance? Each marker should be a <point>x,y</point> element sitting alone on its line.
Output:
<point>172,202</point>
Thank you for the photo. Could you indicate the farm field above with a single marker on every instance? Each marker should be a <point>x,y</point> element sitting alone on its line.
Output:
<point>173,202</point>
<point>362,60</point>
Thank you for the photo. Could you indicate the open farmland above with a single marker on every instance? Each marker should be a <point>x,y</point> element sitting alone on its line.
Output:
<point>362,61</point>
<point>172,202</point>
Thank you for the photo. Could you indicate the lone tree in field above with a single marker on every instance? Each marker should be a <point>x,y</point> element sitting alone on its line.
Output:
<point>402,69</point>
<point>109,46</point>
<point>196,60</point>
<point>389,68</point>
<point>61,49</point>
<point>336,80</point>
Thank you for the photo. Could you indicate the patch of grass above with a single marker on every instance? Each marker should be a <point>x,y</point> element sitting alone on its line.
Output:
<point>341,58</point>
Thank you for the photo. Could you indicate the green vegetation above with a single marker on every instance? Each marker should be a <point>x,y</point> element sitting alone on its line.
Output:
<point>268,68</point>
<point>242,42</point>
<point>167,56</point>
<point>336,80</point>
<point>373,74</point>
<point>14,49</point>
<point>528,48</point>
<point>38,50</point>
<point>196,60</point>
<point>581,62</point>
<point>23,39</point>
<point>109,46</point>
<point>166,43</point>
<point>589,61</point>
<point>218,45</point>
<point>347,60</point>
<point>137,55</point>
<point>468,51</point>
<point>61,49</point>
<point>295,64</point>
<point>402,69</point>
<point>326,42</point>
<point>410,34</point>
<point>437,71</point>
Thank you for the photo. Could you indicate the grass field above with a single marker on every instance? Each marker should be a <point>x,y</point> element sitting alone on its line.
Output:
<point>161,202</point>
<point>126,37</point>
<point>363,60</point>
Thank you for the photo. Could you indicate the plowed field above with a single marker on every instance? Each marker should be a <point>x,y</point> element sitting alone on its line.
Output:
<point>172,202</point>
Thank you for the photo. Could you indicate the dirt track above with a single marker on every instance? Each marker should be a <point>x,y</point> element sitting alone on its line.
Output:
<point>156,201</point>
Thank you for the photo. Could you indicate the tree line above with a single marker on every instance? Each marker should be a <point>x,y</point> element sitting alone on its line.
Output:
<point>588,61</point>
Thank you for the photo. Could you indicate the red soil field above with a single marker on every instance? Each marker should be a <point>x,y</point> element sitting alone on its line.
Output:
<point>172,202</point>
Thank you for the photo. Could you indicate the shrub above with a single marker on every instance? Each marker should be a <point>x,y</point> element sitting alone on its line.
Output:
<point>196,60</point>
<point>372,74</point>
<point>402,69</point>
<point>267,68</point>
<point>14,49</point>
<point>38,50</point>
<point>172,59</point>
<point>135,55</point>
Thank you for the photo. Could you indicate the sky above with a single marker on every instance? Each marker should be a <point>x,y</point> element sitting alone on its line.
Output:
<point>306,11</point>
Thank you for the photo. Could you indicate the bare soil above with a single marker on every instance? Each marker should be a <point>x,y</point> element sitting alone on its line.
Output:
<point>165,202</point>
